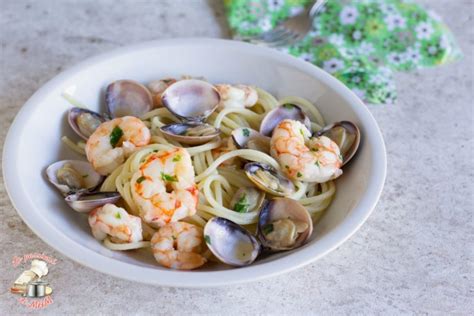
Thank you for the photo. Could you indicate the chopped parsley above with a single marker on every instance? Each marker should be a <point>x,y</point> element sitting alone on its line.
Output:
<point>299,174</point>
<point>207,239</point>
<point>167,177</point>
<point>287,167</point>
<point>242,206</point>
<point>246,132</point>
<point>314,149</point>
<point>288,106</point>
<point>141,179</point>
<point>177,158</point>
<point>85,175</point>
<point>301,132</point>
<point>117,215</point>
<point>267,229</point>
<point>317,163</point>
<point>340,156</point>
<point>115,136</point>
<point>155,151</point>
<point>174,237</point>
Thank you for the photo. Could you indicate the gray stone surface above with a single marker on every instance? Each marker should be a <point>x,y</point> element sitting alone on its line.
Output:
<point>414,254</point>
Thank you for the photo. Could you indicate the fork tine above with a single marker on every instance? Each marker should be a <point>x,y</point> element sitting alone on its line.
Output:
<point>264,37</point>
<point>288,39</point>
<point>273,35</point>
<point>291,30</point>
<point>276,41</point>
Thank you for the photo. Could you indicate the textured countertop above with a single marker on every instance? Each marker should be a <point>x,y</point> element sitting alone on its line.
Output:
<point>413,255</point>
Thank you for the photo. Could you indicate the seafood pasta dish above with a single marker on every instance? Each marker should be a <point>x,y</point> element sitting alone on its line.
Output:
<point>197,172</point>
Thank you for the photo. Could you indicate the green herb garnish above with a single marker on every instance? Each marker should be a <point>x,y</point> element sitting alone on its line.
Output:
<point>267,229</point>
<point>340,156</point>
<point>317,163</point>
<point>301,132</point>
<point>85,175</point>
<point>288,106</point>
<point>246,132</point>
<point>115,136</point>
<point>207,239</point>
<point>242,206</point>
<point>299,174</point>
<point>167,177</point>
<point>117,215</point>
<point>177,158</point>
<point>141,179</point>
<point>174,238</point>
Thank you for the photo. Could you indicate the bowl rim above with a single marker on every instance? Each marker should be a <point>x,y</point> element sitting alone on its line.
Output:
<point>197,279</point>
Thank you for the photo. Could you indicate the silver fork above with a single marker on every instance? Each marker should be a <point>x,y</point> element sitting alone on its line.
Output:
<point>289,31</point>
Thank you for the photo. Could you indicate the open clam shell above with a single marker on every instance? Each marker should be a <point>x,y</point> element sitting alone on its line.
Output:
<point>247,199</point>
<point>84,202</point>
<point>190,133</point>
<point>127,98</point>
<point>191,99</point>
<point>230,243</point>
<point>284,224</point>
<point>70,176</point>
<point>268,179</point>
<point>280,113</point>
<point>346,135</point>
<point>84,122</point>
<point>245,137</point>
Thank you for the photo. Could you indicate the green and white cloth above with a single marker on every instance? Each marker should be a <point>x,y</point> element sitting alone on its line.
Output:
<point>360,42</point>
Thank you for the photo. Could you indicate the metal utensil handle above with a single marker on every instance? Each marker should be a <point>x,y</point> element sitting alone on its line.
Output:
<point>317,6</point>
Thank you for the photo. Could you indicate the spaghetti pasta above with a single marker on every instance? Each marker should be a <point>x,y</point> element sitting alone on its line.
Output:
<point>218,175</point>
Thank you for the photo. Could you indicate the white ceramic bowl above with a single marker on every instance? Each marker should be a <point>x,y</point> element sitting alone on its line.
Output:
<point>33,143</point>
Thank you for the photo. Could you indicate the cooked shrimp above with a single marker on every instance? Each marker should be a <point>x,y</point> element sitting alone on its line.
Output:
<point>179,245</point>
<point>238,96</point>
<point>113,141</point>
<point>314,160</point>
<point>113,221</point>
<point>163,187</point>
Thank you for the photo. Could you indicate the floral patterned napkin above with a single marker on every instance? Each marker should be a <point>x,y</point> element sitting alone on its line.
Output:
<point>360,42</point>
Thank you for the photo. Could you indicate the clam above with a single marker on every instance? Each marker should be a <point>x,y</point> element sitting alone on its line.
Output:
<point>346,135</point>
<point>269,179</point>
<point>84,202</point>
<point>247,199</point>
<point>84,122</point>
<point>191,99</point>
<point>245,137</point>
<point>280,113</point>
<point>127,97</point>
<point>283,224</point>
<point>190,133</point>
<point>71,176</point>
<point>230,243</point>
